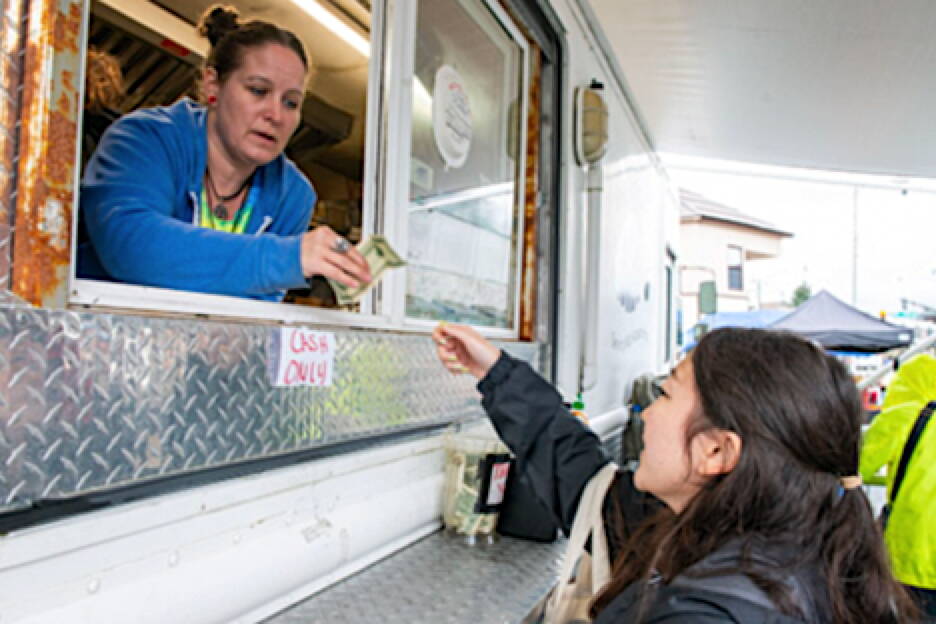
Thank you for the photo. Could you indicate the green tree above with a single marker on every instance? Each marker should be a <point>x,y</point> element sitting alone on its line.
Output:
<point>802,293</point>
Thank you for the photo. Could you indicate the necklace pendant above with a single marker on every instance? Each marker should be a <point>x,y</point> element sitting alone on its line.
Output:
<point>219,211</point>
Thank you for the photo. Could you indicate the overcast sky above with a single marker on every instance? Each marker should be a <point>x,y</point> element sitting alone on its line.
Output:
<point>896,231</point>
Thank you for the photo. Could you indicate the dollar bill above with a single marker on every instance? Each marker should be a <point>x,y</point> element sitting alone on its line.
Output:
<point>380,257</point>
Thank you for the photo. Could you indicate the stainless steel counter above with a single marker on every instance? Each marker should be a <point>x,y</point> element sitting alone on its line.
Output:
<point>439,579</point>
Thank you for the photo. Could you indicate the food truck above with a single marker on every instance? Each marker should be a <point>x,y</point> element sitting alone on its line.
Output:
<point>179,456</point>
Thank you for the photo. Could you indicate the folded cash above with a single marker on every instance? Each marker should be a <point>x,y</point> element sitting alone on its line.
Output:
<point>380,257</point>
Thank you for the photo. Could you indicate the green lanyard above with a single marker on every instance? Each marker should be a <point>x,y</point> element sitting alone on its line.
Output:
<point>237,225</point>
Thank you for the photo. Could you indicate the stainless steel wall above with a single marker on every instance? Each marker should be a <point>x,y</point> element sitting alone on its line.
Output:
<point>91,401</point>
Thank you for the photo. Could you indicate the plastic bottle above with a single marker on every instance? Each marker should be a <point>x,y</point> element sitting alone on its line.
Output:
<point>578,408</point>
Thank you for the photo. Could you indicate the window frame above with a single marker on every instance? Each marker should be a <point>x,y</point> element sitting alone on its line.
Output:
<point>670,330</point>
<point>95,294</point>
<point>383,307</point>
<point>393,306</point>
<point>739,268</point>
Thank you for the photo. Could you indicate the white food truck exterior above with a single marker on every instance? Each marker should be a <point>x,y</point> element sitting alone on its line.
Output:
<point>148,462</point>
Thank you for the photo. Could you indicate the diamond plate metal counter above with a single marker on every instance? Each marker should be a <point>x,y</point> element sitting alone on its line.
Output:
<point>440,579</point>
<point>91,401</point>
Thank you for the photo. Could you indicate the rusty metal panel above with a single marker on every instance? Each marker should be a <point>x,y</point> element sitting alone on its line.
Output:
<point>529,256</point>
<point>91,401</point>
<point>46,149</point>
<point>11,58</point>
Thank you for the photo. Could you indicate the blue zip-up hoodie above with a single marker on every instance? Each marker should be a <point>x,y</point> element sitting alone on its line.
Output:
<point>139,200</point>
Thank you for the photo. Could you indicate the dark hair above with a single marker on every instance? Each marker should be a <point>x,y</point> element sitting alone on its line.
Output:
<point>799,418</point>
<point>229,37</point>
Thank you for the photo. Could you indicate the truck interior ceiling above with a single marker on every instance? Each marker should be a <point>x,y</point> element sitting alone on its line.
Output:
<point>161,56</point>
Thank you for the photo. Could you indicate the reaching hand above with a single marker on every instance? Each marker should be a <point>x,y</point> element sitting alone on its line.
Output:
<point>320,257</point>
<point>462,349</point>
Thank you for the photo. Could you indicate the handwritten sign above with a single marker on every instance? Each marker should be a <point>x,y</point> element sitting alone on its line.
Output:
<point>301,357</point>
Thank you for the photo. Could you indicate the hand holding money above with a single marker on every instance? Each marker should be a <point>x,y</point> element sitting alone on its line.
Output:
<point>323,252</point>
<point>380,257</point>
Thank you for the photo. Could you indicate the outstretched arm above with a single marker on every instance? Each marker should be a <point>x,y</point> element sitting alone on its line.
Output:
<point>557,452</point>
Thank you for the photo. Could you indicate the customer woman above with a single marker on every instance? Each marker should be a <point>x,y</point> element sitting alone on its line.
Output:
<point>201,197</point>
<point>752,449</point>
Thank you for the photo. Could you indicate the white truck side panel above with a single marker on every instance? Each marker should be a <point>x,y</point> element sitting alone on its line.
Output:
<point>637,205</point>
<point>243,549</point>
<point>235,551</point>
<point>238,551</point>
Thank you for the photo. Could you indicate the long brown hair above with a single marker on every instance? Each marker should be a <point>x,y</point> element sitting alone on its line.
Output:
<point>799,417</point>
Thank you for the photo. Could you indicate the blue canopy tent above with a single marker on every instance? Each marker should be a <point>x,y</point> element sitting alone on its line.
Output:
<point>751,318</point>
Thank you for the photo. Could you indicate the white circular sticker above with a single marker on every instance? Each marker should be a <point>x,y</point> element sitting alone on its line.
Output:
<point>451,117</point>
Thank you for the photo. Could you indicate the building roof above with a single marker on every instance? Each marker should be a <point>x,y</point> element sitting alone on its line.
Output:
<point>695,207</point>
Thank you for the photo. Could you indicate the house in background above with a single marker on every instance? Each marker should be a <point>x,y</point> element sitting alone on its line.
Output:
<point>716,243</point>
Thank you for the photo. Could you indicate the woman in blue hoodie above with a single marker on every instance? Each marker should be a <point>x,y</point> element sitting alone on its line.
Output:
<point>202,198</point>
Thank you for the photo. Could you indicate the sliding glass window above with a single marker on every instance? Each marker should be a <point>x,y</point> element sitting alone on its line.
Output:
<point>468,108</point>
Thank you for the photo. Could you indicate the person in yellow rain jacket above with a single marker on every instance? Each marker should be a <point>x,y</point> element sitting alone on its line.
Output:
<point>911,528</point>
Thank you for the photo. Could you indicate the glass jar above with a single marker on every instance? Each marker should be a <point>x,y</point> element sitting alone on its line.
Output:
<point>476,470</point>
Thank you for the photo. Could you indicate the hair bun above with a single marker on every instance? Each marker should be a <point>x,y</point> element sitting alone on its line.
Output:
<point>217,21</point>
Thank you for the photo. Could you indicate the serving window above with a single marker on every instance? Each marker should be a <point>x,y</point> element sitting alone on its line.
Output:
<point>106,401</point>
<point>453,209</point>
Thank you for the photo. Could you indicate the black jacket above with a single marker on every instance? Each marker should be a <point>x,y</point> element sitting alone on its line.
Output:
<point>558,455</point>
